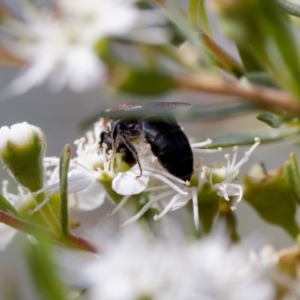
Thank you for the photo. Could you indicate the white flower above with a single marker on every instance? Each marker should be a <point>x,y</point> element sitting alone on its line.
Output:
<point>92,167</point>
<point>59,43</point>
<point>174,193</point>
<point>133,267</point>
<point>226,188</point>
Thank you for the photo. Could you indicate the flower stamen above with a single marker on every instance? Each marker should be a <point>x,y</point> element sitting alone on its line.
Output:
<point>146,207</point>
<point>119,206</point>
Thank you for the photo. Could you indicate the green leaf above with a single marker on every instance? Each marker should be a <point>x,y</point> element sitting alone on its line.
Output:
<point>6,206</point>
<point>268,34</point>
<point>273,199</point>
<point>270,119</point>
<point>293,176</point>
<point>44,271</point>
<point>181,22</point>
<point>261,78</point>
<point>142,81</point>
<point>247,137</point>
<point>249,61</point>
<point>63,179</point>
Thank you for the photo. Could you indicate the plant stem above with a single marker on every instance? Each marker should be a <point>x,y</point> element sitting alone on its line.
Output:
<point>33,229</point>
<point>229,63</point>
<point>272,99</point>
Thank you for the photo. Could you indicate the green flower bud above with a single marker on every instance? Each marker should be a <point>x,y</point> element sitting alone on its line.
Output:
<point>22,149</point>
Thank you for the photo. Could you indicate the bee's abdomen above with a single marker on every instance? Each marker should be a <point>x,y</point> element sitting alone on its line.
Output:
<point>172,148</point>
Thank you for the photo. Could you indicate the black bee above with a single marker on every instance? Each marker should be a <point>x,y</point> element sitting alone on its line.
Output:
<point>160,130</point>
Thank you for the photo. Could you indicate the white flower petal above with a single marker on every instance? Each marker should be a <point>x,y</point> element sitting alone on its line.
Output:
<point>7,233</point>
<point>82,70</point>
<point>92,197</point>
<point>127,183</point>
<point>80,181</point>
<point>35,74</point>
<point>123,20</point>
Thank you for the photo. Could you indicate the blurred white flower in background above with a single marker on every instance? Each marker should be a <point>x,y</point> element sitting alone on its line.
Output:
<point>133,267</point>
<point>58,44</point>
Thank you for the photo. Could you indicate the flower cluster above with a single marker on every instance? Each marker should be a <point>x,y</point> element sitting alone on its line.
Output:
<point>134,267</point>
<point>93,168</point>
<point>61,44</point>
<point>95,173</point>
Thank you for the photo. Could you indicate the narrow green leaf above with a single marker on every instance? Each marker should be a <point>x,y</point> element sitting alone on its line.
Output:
<point>203,16</point>
<point>247,137</point>
<point>293,176</point>
<point>6,206</point>
<point>63,178</point>
<point>181,22</point>
<point>44,271</point>
<point>270,119</point>
<point>197,12</point>
<point>261,78</point>
<point>269,36</point>
<point>273,199</point>
<point>193,11</point>
<point>250,63</point>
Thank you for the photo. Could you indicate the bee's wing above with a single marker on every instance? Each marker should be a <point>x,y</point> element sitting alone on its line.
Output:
<point>137,111</point>
<point>127,106</point>
<point>169,105</point>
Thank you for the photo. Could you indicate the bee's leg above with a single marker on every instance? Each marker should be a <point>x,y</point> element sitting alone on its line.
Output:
<point>105,138</point>
<point>131,147</point>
